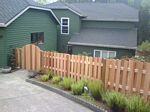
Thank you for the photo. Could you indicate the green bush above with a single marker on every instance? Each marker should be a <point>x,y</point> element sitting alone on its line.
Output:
<point>66,83</point>
<point>50,74</point>
<point>137,104</point>
<point>116,101</point>
<point>145,46</point>
<point>56,79</point>
<point>77,88</point>
<point>96,89</point>
<point>45,78</point>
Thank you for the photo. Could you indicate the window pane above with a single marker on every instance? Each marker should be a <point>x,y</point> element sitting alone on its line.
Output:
<point>97,54</point>
<point>33,38</point>
<point>104,54</point>
<point>65,22</point>
<point>41,37</point>
<point>37,37</point>
<point>112,54</point>
<point>64,29</point>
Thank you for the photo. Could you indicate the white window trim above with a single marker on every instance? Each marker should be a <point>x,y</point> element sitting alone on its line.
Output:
<point>65,25</point>
<point>101,53</point>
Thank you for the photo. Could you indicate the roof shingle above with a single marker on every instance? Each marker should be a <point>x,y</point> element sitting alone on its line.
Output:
<point>108,37</point>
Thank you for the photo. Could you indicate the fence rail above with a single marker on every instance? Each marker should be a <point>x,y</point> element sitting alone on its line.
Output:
<point>126,76</point>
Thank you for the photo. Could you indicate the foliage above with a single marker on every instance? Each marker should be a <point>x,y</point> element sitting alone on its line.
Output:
<point>96,88</point>
<point>85,54</point>
<point>12,59</point>
<point>56,79</point>
<point>50,74</point>
<point>88,98</point>
<point>42,1</point>
<point>44,78</point>
<point>137,104</point>
<point>66,83</point>
<point>77,88</point>
<point>116,101</point>
<point>145,46</point>
<point>142,58</point>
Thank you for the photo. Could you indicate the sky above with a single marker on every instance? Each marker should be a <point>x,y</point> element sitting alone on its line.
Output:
<point>49,1</point>
<point>52,0</point>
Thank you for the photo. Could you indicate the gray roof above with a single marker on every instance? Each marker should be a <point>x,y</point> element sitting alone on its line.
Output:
<point>114,38</point>
<point>106,11</point>
<point>10,8</point>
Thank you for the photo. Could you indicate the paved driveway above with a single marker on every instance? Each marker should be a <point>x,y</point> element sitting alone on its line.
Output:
<point>16,95</point>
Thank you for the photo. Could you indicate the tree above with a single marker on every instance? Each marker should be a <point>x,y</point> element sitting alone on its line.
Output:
<point>144,25</point>
<point>43,1</point>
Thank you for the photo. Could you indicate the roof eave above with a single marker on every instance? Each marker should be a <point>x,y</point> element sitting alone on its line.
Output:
<point>71,11</point>
<point>23,11</point>
<point>101,45</point>
<point>2,25</point>
<point>123,20</point>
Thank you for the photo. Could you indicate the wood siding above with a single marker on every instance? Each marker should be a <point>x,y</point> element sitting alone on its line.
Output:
<point>19,32</point>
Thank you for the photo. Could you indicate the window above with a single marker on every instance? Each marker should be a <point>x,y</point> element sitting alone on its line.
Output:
<point>104,54</point>
<point>64,25</point>
<point>37,38</point>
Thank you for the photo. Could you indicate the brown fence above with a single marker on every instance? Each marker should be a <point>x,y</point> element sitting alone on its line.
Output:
<point>127,76</point>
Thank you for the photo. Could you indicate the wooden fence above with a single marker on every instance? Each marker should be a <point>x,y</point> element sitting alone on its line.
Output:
<point>126,76</point>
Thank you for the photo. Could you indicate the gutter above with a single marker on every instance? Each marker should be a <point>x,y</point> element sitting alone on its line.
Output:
<point>102,45</point>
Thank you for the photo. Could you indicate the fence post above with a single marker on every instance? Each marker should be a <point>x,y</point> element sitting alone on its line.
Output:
<point>68,65</point>
<point>147,81</point>
<point>103,71</point>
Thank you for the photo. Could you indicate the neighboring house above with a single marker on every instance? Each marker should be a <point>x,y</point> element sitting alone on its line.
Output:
<point>23,22</point>
<point>103,30</point>
<point>99,29</point>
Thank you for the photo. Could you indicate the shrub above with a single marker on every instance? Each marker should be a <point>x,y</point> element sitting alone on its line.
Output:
<point>66,83</point>
<point>137,104</point>
<point>50,74</point>
<point>56,79</point>
<point>44,78</point>
<point>116,101</point>
<point>145,46</point>
<point>77,88</point>
<point>96,89</point>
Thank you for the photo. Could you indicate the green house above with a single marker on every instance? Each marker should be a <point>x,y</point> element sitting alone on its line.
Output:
<point>99,29</point>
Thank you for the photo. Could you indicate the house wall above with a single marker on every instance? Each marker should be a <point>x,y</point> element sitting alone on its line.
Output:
<point>75,24</point>
<point>106,24</point>
<point>90,50</point>
<point>2,47</point>
<point>19,32</point>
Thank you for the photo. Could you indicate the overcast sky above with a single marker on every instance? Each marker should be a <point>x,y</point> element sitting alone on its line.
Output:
<point>52,0</point>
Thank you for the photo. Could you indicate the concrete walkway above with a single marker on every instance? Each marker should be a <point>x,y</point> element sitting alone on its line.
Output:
<point>16,95</point>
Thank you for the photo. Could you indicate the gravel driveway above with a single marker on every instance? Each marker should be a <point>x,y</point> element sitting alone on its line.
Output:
<point>16,95</point>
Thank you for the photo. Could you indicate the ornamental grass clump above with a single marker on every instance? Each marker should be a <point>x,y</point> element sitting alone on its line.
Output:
<point>66,83</point>
<point>45,78</point>
<point>56,79</point>
<point>137,104</point>
<point>78,88</point>
<point>96,89</point>
<point>50,74</point>
<point>116,101</point>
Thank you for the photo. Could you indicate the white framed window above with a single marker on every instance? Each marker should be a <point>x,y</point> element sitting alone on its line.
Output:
<point>65,21</point>
<point>104,54</point>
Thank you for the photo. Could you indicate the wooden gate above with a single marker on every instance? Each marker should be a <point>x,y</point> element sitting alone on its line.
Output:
<point>29,57</point>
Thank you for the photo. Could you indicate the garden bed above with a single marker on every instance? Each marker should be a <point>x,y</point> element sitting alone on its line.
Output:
<point>85,100</point>
<point>89,93</point>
